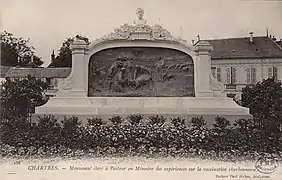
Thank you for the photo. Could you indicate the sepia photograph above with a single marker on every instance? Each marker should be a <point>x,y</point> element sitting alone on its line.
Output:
<point>141,89</point>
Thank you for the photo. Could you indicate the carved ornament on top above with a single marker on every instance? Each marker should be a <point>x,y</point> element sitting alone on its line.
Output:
<point>155,32</point>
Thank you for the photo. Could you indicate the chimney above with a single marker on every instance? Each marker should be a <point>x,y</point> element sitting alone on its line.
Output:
<point>251,37</point>
<point>266,32</point>
<point>198,36</point>
<point>53,57</point>
<point>193,42</point>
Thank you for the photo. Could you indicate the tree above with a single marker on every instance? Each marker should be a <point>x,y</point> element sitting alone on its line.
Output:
<point>16,52</point>
<point>64,58</point>
<point>265,102</point>
<point>19,97</point>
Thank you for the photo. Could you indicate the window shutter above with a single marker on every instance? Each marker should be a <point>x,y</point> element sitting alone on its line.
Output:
<point>275,72</point>
<point>248,75</point>
<point>218,74</point>
<point>233,75</point>
<point>253,76</point>
<point>228,75</point>
<point>270,72</point>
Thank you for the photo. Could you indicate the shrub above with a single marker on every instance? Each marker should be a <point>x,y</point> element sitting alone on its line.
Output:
<point>178,122</point>
<point>198,122</point>
<point>96,138</point>
<point>19,97</point>
<point>116,120</point>
<point>157,120</point>
<point>221,138</point>
<point>135,119</point>
<point>16,131</point>
<point>264,100</point>
<point>71,132</point>
<point>95,121</point>
<point>49,131</point>
<point>221,123</point>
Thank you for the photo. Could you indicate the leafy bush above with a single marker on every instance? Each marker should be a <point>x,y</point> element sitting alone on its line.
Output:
<point>221,123</point>
<point>265,102</point>
<point>48,130</point>
<point>198,122</point>
<point>71,132</point>
<point>221,135</point>
<point>19,97</point>
<point>135,119</point>
<point>178,122</point>
<point>116,120</point>
<point>95,121</point>
<point>153,138</point>
<point>16,131</point>
<point>157,120</point>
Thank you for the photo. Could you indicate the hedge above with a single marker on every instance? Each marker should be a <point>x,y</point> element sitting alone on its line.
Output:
<point>136,136</point>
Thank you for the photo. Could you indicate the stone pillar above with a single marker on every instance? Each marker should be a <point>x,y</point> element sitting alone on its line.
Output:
<point>202,66</point>
<point>79,62</point>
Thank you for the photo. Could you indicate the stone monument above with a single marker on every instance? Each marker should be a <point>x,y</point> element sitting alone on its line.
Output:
<point>141,69</point>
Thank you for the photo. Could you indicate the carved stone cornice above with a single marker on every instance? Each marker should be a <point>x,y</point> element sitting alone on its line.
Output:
<point>156,32</point>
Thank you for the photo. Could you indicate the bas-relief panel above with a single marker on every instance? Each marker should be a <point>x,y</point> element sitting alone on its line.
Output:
<point>135,71</point>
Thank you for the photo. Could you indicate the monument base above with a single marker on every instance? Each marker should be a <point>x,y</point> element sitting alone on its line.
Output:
<point>123,106</point>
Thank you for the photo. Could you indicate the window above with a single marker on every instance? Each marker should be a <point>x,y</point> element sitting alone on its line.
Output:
<point>248,75</point>
<point>272,72</point>
<point>275,72</point>
<point>228,75</point>
<point>251,75</point>
<point>231,75</point>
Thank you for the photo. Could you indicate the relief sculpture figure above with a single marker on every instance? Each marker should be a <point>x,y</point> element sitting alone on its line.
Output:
<point>167,77</point>
<point>114,75</point>
<point>141,75</point>
<point>120,80</point>
<point>140,72</point>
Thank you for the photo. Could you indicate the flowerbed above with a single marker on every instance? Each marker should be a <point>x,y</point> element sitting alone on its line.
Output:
<point>136,136</point>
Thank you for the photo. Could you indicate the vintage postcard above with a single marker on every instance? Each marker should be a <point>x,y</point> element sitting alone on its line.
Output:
<point>141,89</point>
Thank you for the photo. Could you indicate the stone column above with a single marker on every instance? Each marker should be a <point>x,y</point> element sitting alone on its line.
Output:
<point>202,66</point>
<point>78,75</point>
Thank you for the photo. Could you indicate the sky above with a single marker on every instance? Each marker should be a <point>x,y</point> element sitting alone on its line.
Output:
<point>49,22</point>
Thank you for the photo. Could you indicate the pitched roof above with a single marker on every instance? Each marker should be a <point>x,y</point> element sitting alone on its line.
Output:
<point>236,48</point>
<point>4,70</point>
<point>279,43</point>
<point>38,72</point>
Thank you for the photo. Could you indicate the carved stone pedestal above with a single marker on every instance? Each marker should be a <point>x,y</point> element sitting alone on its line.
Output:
<point>142,105</point>
<point>185,107</point>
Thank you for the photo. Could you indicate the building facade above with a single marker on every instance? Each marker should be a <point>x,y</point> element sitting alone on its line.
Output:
<point>238,62</point>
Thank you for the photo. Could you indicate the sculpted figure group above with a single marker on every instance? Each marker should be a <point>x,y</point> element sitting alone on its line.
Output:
<point>123,75</point>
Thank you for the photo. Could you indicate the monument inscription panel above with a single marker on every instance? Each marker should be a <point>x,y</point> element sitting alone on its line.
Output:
<point>141,72</point>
